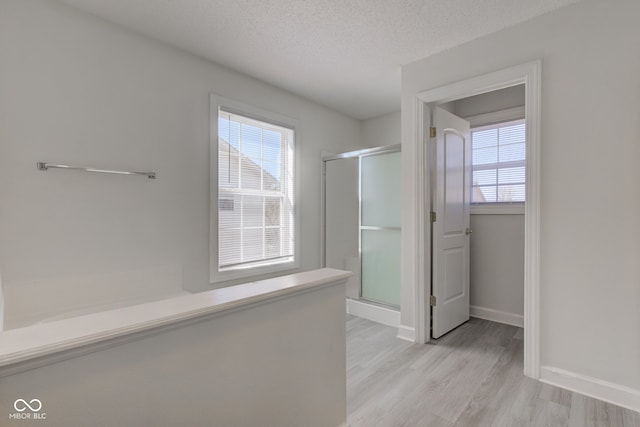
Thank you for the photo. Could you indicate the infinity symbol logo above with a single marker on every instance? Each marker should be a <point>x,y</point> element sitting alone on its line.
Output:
<point>24,405</point>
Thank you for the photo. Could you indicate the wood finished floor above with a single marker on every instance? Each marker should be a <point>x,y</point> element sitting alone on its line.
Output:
<point>470,377</point>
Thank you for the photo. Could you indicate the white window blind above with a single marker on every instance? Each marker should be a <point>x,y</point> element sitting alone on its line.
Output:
<point>255,192</point>
<point>499,163</point>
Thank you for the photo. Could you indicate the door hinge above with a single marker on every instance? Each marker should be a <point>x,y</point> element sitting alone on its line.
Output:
<point>432,132</point>
<point>432,216</point>
<point>432,300</point>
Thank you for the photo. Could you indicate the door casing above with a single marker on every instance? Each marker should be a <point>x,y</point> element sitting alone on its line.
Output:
<point>528,74</point>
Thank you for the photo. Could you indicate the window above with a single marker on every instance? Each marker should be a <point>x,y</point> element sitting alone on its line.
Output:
<point>255,230</point>
<point>499,163</point>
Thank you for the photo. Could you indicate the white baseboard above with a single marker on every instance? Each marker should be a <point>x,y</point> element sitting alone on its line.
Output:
<point>609,392</point>
<point>407,333</point>
<point>497,316</point>
<point>375,313</point>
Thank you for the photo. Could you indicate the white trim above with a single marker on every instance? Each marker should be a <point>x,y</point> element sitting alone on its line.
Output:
<point>497,316</point>
<point>496,117</point>
<point>530,75</point>
<point>603,390</point>
<point>489,82</point>
<point>497,209</point>
<point>422,264</point>
<point>218,277</point>
<point>407,333</point>
<point>372,312</point>
<point>533,95</point>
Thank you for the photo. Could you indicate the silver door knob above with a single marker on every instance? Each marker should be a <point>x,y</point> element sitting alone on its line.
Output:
<point>468,231</point>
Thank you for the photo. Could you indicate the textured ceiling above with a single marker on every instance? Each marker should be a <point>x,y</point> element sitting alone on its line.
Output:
<point>345,54</point>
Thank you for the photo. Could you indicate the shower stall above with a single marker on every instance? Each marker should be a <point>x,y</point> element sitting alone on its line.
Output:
<point>362,208</point>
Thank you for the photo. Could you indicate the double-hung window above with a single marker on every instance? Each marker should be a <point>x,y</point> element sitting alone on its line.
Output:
<point>256,230</point>
<point>499,163</point>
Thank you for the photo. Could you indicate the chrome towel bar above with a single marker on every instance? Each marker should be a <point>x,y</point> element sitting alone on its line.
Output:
<point>42,166</point>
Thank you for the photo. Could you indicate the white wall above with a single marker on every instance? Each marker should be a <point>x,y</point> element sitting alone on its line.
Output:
<point>590,203</point>
<point>497,263</point>
<point>489,102</point>
<point>78,90</point>
<point>380,131</point>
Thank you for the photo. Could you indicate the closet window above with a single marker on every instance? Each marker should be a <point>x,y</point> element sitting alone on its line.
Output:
<point>499,163</point>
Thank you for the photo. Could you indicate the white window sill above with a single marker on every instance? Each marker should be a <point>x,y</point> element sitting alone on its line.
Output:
<point>498,209</point>
<point>249,272</point>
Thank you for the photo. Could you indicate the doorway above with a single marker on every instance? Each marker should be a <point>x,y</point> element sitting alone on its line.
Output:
<point>529,76</point>
<point>493,127</point>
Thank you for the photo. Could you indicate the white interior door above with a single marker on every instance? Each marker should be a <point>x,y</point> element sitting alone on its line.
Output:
<point>451,186</point>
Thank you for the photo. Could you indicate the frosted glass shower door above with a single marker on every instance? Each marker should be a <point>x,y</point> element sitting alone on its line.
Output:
<point>341,219</point>
<point>380,208</point>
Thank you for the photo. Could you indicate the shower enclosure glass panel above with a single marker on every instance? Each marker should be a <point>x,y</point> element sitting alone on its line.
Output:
<point>381,266</point>
<point>341,220</point>
<point>380,208</point>
<point>362,206</point>
<point>380,190</point>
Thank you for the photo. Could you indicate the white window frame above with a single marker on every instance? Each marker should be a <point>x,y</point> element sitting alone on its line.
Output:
<point>216,275</point>
<point>502,116</point>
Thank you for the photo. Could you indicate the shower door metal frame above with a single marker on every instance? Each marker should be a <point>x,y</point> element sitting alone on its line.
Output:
<point>387,149</point>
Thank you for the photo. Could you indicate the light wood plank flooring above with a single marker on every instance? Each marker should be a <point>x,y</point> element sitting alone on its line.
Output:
<point>470,377</point>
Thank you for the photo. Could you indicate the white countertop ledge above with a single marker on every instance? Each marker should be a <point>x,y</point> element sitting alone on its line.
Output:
<point>19,346</point>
